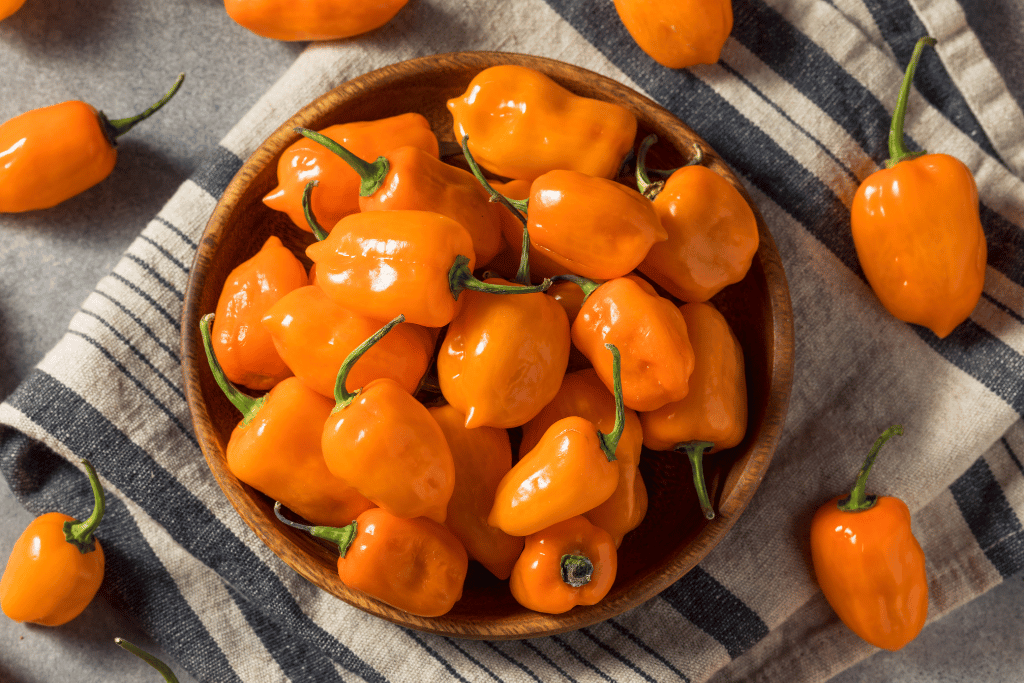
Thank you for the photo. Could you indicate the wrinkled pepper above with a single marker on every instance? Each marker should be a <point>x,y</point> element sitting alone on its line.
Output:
<point>244,347</point>
<point>415,565</point>
<point>51,154</point>
<point>680,33</point>
<point>569,563</point>
<point>56,566</point>
<point>276,447</point>
<point>338,195</point>
<point>868,563</point>
<point>917,230</point>
<point>293,20</point>
<point>522,124</point>
<point>482,457</point>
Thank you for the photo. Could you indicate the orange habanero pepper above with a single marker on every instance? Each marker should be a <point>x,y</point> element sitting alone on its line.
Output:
<point>305,161</point>
<point>868,563</point>
<point>243,345</point>
<point>712,231</point>
<point>583,394</point>
<point>276,449</point>
<point>385,444</point>
<point>9,7</point>
<point>415,565</point>
<point>571,470</point>
<point>311,19</point>
<point>917,230</point>
<point>523,124</point>
<point>53,153</point>
<point>482,457</point>
<point>569,563</point>
<point>713,415</point>
<point>678,34</point>
<point>56,565</point>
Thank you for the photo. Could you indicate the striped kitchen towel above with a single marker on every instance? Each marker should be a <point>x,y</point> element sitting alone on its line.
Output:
<point>799,106</point>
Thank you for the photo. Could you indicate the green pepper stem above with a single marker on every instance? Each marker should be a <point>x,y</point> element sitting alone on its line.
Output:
<point>247,405</point>
<point>164,670</point>
<point>652,188</point>
<point>342,396</point>
<point>341,536</point>
<point>897,145</point>
<point>576,570</point>
<point>118,127</point>
<point>307,209</point>
<point>79,534</point>
<point>695,452</point>
<point>858,501</point>
<point>588,286</point>
<point>372,174</point>
<point>461,278</point>
<point>609,442</point>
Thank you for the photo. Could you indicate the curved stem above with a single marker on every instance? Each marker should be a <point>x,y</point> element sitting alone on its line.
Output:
<point>609,442</point>
<point>247,405</point>
<point>342,536</point>
<point>164,670</point>
<point>372,174</point>
<point>78,533</point>
<point>588,286</point>
<point>897,147</point>
<point>118,127</point>
<point>695,452</point>
<point>342,396</point>
<point>461,278</point>
<point>516,206</point>
<point>643,181</point>
<point>576,570</point>
<point>307,209</point>
<point>858,501</point>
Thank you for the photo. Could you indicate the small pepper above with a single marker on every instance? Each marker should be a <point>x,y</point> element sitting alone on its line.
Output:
<point>569,563</point>
<point>305,161</point>
<point>275,448</point>
<point>384,443</point>
<point>164,670</point>
<point>482,457</point>
<point>415,565</point>
<point>522,124</point>
<point>917,230</point>
<point>713,415</point>
<point>868,563</point>
<point>243,346</point>
<point>678,34</point>
<point>51,154</point>
<point>56,565</point>
<point>294,20</point>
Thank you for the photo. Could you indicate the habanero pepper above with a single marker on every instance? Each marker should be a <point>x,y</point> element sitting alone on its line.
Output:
<point>917,230</point>
<point>51,154</point>
<point>868,563</point>
<point>9,7</point>
<point>569,563</point>
<point>415,565</point>
<point>482,456</point>
<point>713,415</point>
<point>678,34</point>
<point>56,566</point>
<point>523,124</point>
<point>293,20</point>
<point>305,161</point>
<point>243,346</point>
<point>275,448</point>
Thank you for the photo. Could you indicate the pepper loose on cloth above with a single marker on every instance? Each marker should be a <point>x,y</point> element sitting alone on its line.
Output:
<point>678,34</point>
<point>311,19</point>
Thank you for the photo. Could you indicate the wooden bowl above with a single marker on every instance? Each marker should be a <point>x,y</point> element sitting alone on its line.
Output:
<point>674,536</point>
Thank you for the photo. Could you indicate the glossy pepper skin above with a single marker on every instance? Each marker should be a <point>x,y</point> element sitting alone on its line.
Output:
<point>583,394</point>
<point>292,20</point>
<point>869,565</point>
<point>569,563</point>
<point>338,192</point>
<point>415,565</point>
<point>917,230</point>
<point>275,448</point>
<point>482,457</point>
<point>503,357</point>
<point>244,347</point>
<point>56,566</point>
<point>522,124</point>
<point>678,34</point>
<point>51,154</point>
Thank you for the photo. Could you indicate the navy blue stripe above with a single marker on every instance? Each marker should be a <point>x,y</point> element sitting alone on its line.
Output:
<point>216,171</point>
<point>177,231</point>
<point>138,321</point>
<point>166,254</point>
<point>990,518</point>
<point>149,299</point>
<point>1012,454</point>
<point>156,275</point>
<point>646,648</point>
<point>548,660</point>
<point>527,670</point>
<point>135,580</point>
<point>1003,307</point>
<point>713,609</point>
<point>1005,244</point>
<point>580,658</point>
<point>455,643</point>
<point>604,646</point>
<point>435,654</point>
<point>87,433</point>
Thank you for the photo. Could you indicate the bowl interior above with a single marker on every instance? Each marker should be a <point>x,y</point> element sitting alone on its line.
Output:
<point>674,536</point>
